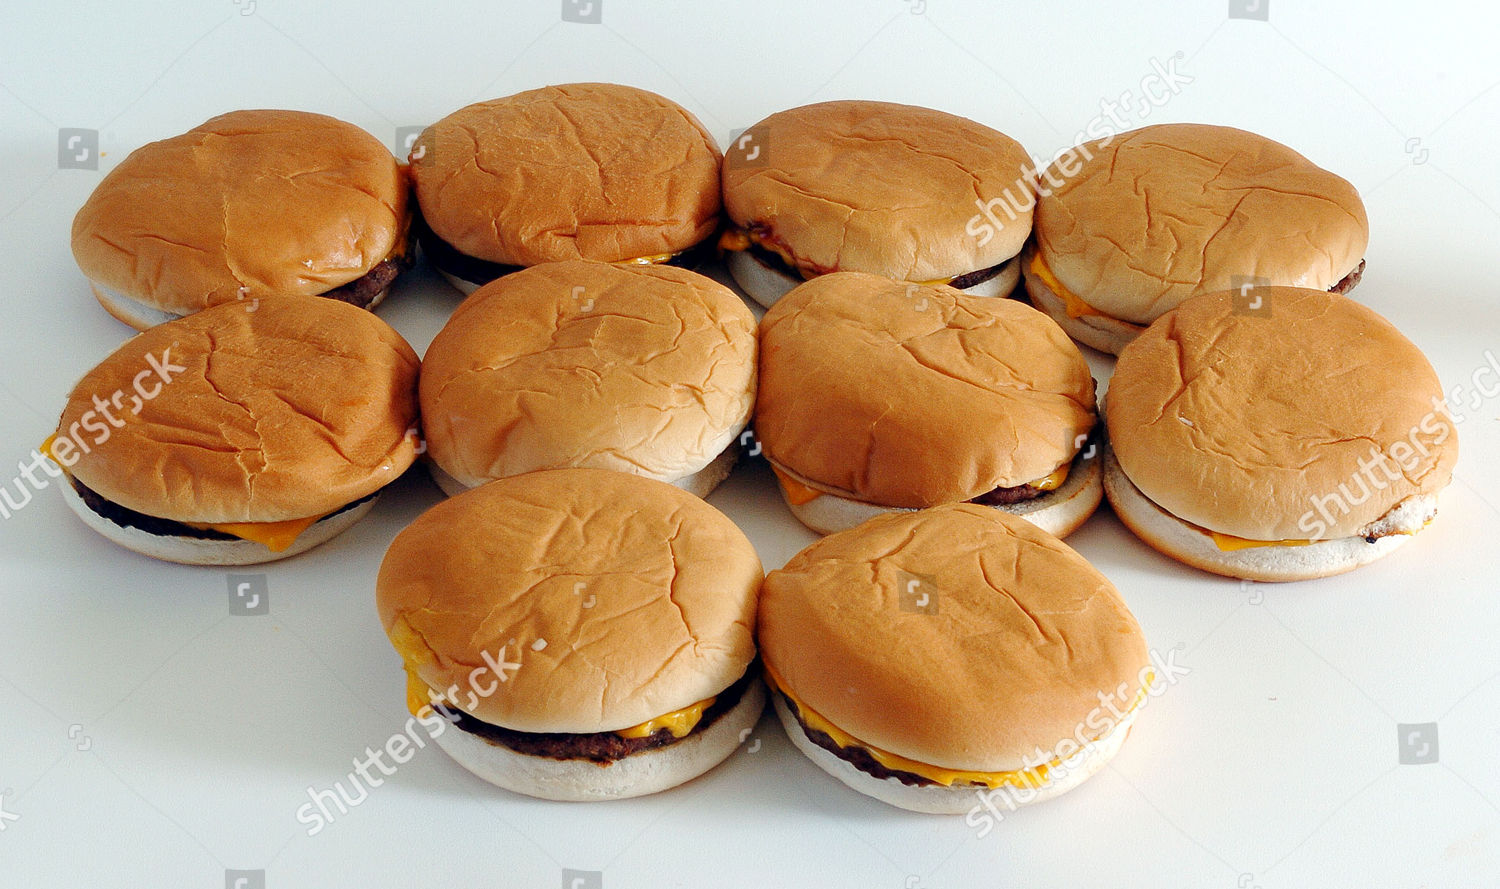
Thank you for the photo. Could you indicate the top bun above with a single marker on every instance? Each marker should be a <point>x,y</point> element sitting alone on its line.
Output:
<point>282,409</point>
<point>1242,421</point>
<point>1197,206</point>
<point>643,369</point>
<point>246,205</point>
<point>894,190</point>
<point>909,396</point>
<point>620,597</point>
<point>1025,637</point>
<point>579,171</point>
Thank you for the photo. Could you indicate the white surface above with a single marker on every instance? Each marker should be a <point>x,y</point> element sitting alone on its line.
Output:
<point>1273,764</point>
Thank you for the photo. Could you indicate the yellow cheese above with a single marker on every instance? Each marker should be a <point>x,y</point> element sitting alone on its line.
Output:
<point>1032,777</point>
<point>734,239</point>
<point>275,536</point>
<point>678,722</point>
<point>1054,480</point>
<point>1076,308</point>
<point>417,693</point>
<point>652,259</point>
<point>796,492</point>
<point>1229,543</point>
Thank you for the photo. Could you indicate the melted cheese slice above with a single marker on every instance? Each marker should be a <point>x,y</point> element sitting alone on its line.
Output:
<point>652,259</point>
<point>678,722</point>
<point>1075,307</point>
<point>1055,479</point>
<point>1033,777</point>
<point>1229,543</point>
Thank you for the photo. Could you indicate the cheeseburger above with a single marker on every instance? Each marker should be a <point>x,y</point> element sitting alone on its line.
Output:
<point>893,190</point>
<point>877,395</point>
<point>1128,227</point>
<point>235,436</point>
<point>246,205</point>
<point>580,171</point>
<point>936,660</point>
<point>615,615</point>
<point>645,369</point>
<point>1283,435</point>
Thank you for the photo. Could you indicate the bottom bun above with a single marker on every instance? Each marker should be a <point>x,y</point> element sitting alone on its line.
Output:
<point>137,314</point>
<point>1099,331</point>
<point>199,551</point>
<point>936,799</point>
<point>1059,512</point>
<point>582,780</point>
<point>1189,544</point>
<point>463,286</point>
<point>766,284</point>
<point>699,483</point>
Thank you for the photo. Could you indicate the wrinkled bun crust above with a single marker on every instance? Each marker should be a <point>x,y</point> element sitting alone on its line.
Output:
<point>1059,512</point>
<point>894,190</point>
<point>579,780</point>
<point>642,369</point>
<point>198,551</point>
<point>1179,540</point>
<point>252,203</point>
<point>1197,205</point>
<point>1025,638</point>
<point>580,171</point>
<point>766,285</point>
<point>1256,424</point>
<point>936,799</point>
<point>621,598</point>
<point>284,409</point>
<point>1099,331</point>
<point>903,395</point>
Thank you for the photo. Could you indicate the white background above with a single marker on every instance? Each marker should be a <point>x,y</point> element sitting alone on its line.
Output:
<point>148,738</point>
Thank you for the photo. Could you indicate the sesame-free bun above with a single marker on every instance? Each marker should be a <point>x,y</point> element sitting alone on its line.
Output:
<point>877,187</point>
<point>1242,421</point>
<point>1135,224</point>
<point>647,369</point>
<point>578,171</point>
<point>1023,638</point>
<point>290,410</point>
<point>909,396</point>
<point>246,205</point>
<point>621,598</point>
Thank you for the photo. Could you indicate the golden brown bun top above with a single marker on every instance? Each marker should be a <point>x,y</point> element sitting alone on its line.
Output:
<point>621,598</point>
<point>644,369</point>
<point>1241,423</point>
<point>882,188</point>
<point>1161,213</point>
<point>284,408</point>
<point>274,202</point>
<point>579,171</point>
<point>904,395</point>
<point>1026,636</point>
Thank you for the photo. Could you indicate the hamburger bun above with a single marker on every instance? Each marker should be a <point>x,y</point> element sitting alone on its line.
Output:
<point>646,369</point>
<point>619,599</point>
<point>1199,209</point>
<point>878,395</point>
<point>1309,418</point>
<point>593,171</point>
<point>246,205</point>
<point>955,639</point>
<point>893,190</point>
<point>297,410</point>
